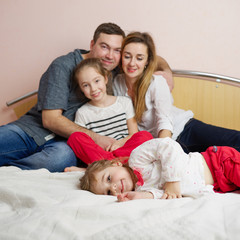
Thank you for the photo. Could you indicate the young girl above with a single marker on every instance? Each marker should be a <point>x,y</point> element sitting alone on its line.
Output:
<point>104,114</point>
<point>159,168</point>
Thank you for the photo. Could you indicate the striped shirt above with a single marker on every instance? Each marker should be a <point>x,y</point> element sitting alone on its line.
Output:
<point>110,121</point>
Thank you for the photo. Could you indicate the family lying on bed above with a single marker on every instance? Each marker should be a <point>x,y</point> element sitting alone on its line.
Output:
<point>155,165</point>
<point>38,139</point>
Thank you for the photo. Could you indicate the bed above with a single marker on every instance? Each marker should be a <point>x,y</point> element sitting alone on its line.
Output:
<point>37,204</point>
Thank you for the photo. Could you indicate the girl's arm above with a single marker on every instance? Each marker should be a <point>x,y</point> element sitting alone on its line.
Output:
<point>134,195</point>
<point>170,154</point>
<point>171,190</point>
<point>131,124</point>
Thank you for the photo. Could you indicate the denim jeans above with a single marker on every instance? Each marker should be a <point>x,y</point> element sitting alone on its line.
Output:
<point>19,149</point>
<point>198,136</point>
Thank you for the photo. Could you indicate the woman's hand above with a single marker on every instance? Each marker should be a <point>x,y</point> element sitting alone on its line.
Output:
<point>171,190</point>
<point>134,195</point>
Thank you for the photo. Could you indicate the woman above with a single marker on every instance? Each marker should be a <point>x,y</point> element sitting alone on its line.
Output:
<point>154,104</point>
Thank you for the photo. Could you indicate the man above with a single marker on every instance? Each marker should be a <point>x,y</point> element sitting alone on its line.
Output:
<point>38,139</point>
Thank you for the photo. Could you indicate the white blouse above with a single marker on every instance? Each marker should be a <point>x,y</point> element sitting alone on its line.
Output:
<point>162,160</point>
<point>160,112</point>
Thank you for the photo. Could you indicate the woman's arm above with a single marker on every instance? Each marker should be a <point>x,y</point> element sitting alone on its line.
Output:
<point>165,133</point>
<point>161,99</point>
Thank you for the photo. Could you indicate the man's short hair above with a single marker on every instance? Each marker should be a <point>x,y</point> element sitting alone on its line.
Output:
<point>108,28</point>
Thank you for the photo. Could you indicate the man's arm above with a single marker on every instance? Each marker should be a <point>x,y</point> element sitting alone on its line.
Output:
<point>164,69</point>
<point>62,126</point>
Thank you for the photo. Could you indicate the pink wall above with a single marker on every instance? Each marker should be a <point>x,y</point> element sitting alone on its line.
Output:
<point>190,34</point>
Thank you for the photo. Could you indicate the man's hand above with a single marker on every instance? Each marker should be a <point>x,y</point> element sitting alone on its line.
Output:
<point>171,190</point>
<point>134,195</point>
<point>169,78</point>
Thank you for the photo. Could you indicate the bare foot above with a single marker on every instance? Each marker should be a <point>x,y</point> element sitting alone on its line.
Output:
<point>74,169</point>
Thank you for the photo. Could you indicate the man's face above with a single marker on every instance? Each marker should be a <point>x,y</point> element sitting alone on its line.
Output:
<point>108,49</point>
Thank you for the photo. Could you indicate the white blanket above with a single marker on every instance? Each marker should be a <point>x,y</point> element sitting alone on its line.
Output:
<point>43,205</point>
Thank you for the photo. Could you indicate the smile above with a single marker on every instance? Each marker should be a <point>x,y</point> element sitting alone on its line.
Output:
<point>107,61</point>
<point>95,94</point>
<point>131,70</point>
<point>122,190</point>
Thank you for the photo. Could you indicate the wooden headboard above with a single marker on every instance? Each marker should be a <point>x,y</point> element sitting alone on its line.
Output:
<point>214,99</point>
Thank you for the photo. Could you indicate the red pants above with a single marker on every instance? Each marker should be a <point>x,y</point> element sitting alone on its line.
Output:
<point>88,151</point>
<point>224,164</point>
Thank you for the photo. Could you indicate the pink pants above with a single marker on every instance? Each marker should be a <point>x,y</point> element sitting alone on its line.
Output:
<point>224,164</point>
<point>88,151</point>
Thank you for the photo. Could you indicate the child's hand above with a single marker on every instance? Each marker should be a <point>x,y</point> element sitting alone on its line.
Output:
<point>134,195</point>
<point>104,141</point>
<point>171,190</point>
<point>115,145</point>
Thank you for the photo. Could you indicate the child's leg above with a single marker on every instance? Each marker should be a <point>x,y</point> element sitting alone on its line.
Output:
<point>224,163</point>
<point>136,140</point>
<point>86,149</point>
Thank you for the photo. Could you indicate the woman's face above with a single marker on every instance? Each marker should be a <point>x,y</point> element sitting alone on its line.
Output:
<point>134,59</point>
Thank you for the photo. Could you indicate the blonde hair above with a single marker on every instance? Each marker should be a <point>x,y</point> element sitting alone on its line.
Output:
<point>142,84</point>
<point>88,181</point>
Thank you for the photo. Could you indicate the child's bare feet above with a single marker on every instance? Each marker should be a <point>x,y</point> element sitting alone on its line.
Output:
<point>74,169</point>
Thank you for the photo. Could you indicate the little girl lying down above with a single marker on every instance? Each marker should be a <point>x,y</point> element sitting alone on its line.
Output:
<point>159,168</point>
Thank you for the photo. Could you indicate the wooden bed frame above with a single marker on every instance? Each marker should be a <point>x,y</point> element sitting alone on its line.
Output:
<point>214,99</point>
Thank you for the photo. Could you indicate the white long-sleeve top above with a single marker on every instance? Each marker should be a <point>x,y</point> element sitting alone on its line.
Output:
<point>160,112</point>
<point>162,160</point>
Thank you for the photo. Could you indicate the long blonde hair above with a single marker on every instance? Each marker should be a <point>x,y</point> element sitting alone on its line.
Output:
<point>142,84</point>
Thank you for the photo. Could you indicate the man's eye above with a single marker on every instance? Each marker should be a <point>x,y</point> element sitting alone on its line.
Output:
<point>109,178</point>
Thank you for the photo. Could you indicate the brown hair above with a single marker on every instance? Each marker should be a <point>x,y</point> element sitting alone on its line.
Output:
<point>108,28</point>
<point>88,181</point>
<point>91,62</point>
<point>142,84</point>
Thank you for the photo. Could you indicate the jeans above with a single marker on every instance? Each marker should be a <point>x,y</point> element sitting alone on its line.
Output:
<point>18,149</point>
<point>198,136</point>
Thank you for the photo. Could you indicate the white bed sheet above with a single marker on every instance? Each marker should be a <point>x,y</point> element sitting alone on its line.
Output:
<point>41,205</point>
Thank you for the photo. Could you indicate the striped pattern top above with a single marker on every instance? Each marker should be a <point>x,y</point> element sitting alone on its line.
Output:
<point>110,121</point>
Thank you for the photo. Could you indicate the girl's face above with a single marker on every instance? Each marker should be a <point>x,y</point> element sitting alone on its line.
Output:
<point>113,180</point>
<point>134,59</point>
<point>92,84</point>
